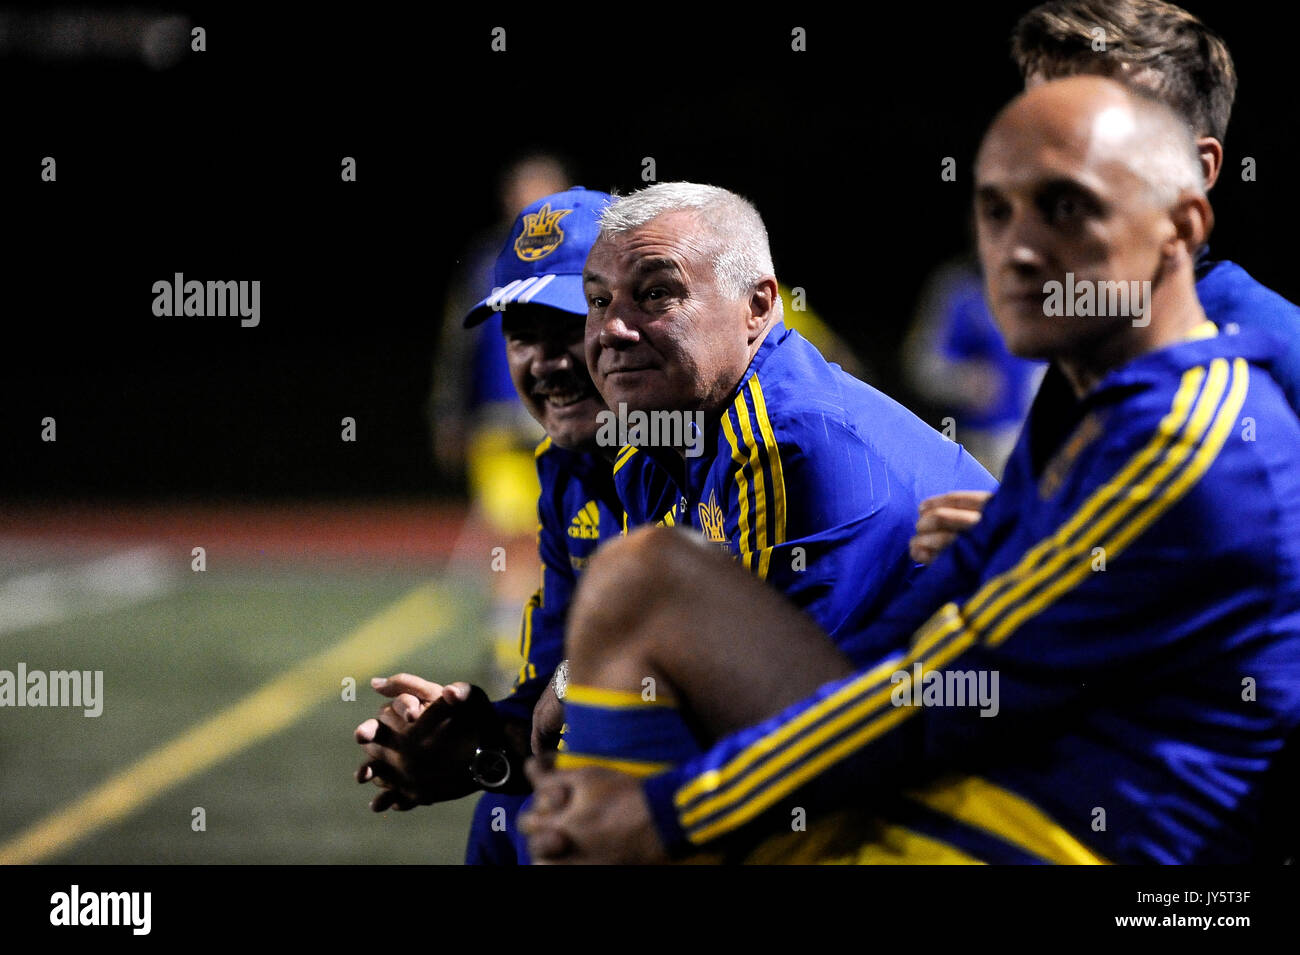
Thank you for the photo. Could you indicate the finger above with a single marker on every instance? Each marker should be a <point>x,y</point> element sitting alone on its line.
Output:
<point>408,707</point>
<point>919,553</point>
<point>967,500</point>
<point>382,774</point>
<point>952,518</point>
<point>935,542</point>
<point>538,769</point>
<point>551,790</point>
<point>947,519</point>
<point>387,762</point>
<point>457,692</point>
<point>970,500</point>
<point>393,722</point>
<point>365,733</point>
<point>549,845</point>
<point>390,799</point>
<point>931,545</point>
<point>926,523</point>
<point>406,683</point>
<point>387,775</point>
<point>377,731</point>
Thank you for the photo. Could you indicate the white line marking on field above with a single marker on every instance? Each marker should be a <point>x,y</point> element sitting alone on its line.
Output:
<point>100,586</point>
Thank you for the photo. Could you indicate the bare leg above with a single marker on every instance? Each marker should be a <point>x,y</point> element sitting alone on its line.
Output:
<point>726,648</point>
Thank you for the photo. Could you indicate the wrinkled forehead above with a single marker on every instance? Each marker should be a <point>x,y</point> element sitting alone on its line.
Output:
<point>674,241</point>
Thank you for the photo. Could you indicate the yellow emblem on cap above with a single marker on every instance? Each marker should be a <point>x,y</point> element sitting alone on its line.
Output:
<point>541,234</point>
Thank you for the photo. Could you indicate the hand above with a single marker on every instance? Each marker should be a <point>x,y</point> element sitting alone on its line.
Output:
<point>942,518</point>
<point>589,816</point>
<point>548,721</point>
<point>420,745</point>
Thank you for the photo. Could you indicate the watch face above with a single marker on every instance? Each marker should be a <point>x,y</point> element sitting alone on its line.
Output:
<point>490,768</point>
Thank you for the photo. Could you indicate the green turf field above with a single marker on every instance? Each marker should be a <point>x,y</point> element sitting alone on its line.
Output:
<point>273,772</point>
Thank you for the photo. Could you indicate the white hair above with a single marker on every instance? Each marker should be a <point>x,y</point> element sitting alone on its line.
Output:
<point>1162,152</point>
<point>741,254</point>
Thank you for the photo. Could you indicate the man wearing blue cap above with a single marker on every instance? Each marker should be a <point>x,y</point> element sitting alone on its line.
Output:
<point>462,743</point>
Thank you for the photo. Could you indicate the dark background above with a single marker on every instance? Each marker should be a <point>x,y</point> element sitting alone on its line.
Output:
<point>226,166</point>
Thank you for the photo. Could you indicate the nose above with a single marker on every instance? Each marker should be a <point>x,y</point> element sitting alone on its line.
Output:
<point>616,333</point>
<point>1023,257</point>
<point>548,361</point>
<point>617,327</point>
<point>1021,249</point>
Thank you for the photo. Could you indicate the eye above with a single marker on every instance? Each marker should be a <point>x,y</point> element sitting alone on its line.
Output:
<point>597,301</point>
<point>575,331</point>
<point>1068,207</point>
<point>994,210</point>
<point>1065,209</point>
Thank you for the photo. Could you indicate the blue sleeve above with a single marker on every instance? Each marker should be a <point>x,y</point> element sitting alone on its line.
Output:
<point>954,572</point>
<point>817,507</point>
<point>541,634</point>
<point>1229,295</point>
<point>1044,619</point>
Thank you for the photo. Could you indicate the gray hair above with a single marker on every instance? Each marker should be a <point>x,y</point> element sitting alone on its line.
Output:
<point>741,254</point>
<point>1162,151</point>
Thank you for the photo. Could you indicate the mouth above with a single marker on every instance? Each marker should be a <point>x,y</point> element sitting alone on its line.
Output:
<point>631,370</point>
<point>1033,298</point>
<point>565,396</point>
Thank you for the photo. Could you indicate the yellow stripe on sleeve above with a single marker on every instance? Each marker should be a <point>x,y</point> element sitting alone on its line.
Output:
<point>536,601</point>
<point>720,777</point>
<point>631,767</point>
<point>610,699</point>
<point>746,535</point>
<point>623,456</point>
<point>760,486</point>
<point>1200,462</point>
<point>1168,428</point>
<point>876,712</point>
<point>774,462</point>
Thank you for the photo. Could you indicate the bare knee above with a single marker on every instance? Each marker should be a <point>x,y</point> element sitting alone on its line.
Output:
<point>616,595</point>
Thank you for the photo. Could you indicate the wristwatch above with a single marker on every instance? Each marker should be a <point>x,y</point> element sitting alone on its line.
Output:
<point>560,682</point>
<point>494,766</point>
<point>490,768</point>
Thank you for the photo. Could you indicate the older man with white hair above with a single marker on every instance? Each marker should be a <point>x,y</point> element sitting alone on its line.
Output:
<point>807,476</point>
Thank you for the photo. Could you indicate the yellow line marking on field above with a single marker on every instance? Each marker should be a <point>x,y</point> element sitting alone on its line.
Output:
<point>416,620</point>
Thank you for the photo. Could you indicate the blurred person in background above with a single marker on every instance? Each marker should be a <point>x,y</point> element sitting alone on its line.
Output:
<point>482,434</point>
<point>955,359</point>
<point>436,742</point>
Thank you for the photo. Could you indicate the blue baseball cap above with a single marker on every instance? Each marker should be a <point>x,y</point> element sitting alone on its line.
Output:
<point>542,261</point>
